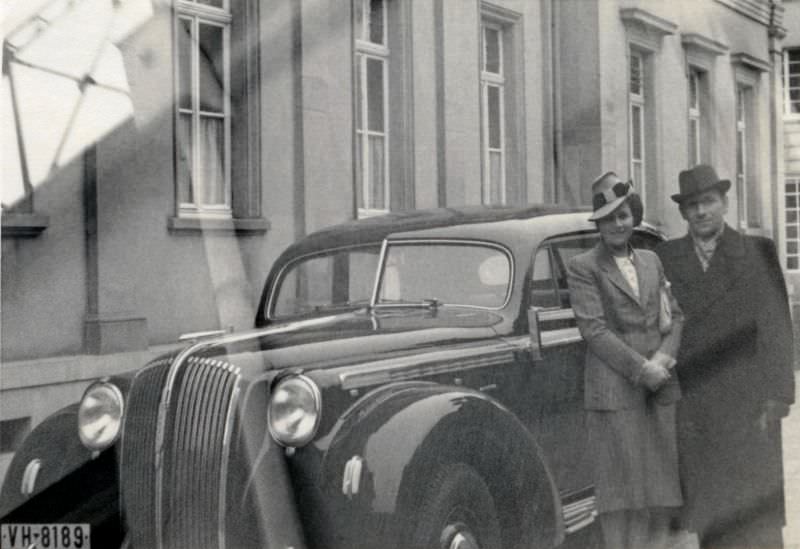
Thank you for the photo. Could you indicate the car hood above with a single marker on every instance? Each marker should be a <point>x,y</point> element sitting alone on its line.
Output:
<point>353,337</point>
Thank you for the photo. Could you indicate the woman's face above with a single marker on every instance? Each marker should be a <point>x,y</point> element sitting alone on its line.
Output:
<point>616,228</point>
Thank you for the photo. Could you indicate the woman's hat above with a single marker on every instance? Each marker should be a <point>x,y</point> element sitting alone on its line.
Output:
<point>608,192</point>
<point>697,180</point>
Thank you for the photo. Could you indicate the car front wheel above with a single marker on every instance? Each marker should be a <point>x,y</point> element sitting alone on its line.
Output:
<point>456,512</point>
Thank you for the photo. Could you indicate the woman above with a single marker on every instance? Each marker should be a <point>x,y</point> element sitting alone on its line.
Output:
<point>632,327</point>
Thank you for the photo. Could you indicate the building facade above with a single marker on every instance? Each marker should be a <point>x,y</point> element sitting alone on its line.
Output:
<point>246,124</point>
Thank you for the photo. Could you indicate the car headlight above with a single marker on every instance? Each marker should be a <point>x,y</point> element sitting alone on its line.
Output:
<point>293,413</point>
<point>100,415</point>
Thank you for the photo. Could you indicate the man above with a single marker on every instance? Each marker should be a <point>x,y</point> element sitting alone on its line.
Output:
<point>734,368</point>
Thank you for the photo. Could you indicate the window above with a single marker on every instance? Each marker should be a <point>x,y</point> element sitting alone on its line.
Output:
<point>203,152</point>
<point>698,116</point>
<point>701,55</point>
<point>637,118</point>
<point>792,206</point>
<point>746,181</point>
<point>502,174</point>
<point>322,283</point>
<point>493,113</point>
<point>791,81</point>
<point>372,120</point>
<point>468,274</point>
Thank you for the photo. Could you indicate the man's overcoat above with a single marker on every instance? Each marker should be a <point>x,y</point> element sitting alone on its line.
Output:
<point>736,353</point>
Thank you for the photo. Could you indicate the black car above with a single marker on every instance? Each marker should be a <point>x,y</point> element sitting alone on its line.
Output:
<point>414,380</point>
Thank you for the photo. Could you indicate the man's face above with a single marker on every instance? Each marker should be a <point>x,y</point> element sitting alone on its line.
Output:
<point>705,212</point>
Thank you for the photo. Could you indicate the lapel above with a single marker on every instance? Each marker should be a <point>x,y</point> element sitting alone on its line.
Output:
<point>612,272</point>
<point>647,275</point>
<point>704,288</point>
<point>726,266</point>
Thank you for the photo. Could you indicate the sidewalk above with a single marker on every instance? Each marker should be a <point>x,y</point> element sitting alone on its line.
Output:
<point>791,471</point>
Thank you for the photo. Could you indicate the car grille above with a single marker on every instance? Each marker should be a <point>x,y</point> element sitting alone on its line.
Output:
<point>175,498</point>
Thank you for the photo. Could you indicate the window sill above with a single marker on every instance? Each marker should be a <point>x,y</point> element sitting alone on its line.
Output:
<point>242,225</point>
<point>24,225</point>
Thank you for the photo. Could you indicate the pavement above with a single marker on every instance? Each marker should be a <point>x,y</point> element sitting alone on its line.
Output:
<point>791,472</point>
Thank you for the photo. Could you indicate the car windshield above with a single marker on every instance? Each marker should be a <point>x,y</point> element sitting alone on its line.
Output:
<point>326,282</point>
<point>422,273</point>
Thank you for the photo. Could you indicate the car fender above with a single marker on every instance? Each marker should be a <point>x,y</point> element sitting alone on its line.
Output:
<point>64,482</point>
<point>386,447</point>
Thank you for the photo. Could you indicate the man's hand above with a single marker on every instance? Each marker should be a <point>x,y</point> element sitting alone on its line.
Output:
<point>654,375</point>
<point>774,410</point>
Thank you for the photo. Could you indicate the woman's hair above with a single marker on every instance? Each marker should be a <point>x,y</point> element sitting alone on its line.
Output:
<point>637,208</point>
<point>634,200</point>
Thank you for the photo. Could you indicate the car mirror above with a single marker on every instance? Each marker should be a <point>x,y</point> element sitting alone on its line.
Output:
<point>535,333</point>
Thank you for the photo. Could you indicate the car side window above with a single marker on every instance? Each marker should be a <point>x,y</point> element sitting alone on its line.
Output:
<point>543,288</point>
<point>563,250</point>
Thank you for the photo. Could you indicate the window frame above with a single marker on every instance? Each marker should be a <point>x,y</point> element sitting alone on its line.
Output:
<point>199,14</point>
<point>794,195</point>
<point>498,81</point>
<point>638,101</point>
<point>363,51</point>
<point>513,188</point>
<point>787,76</point>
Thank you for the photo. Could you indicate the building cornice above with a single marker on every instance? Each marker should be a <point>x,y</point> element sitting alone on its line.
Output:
<point>651,23</point>
<point>750,62</point>
<point>758,10</point>
<point>702,44</point>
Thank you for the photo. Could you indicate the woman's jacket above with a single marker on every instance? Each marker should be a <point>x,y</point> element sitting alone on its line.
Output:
<point>620,330</point>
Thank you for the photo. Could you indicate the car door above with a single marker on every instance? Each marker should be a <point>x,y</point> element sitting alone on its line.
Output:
<point>557,378</point>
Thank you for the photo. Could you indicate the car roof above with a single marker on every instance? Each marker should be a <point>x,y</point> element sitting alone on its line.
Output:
<point>375,229</point>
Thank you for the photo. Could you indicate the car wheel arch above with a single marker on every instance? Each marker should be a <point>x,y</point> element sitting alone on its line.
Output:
<point>405,434</point>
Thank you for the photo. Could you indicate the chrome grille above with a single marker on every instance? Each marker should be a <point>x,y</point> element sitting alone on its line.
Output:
<point>179,502</point>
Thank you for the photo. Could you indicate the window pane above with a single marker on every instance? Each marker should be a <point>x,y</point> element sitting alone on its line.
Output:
<point>636,132</point>
<point>495,137</point>
<point>794,55</point>
<point>638,177</point>
<point>185,63</point>
<point>360,60</point>
<point>211,67</point>
<point>377,175</point>
<point>543,290</point>
<point>693,84</point>
<point>794,97</point>
<point>375,94</point>
<point>211,161</point>
<point>453,274</point>
<point>376,21</point>
<point>637,73</point>
<point>359,19</point>
<point>693,126</point>
<point>495,178</point>
<point>492,50</point>
<point>791,247</point>
<point>792,263</point>
<point>361,274</point>
<point>184,159</point>
<point>791,187</point>
<point>215,3</point>
<point>360,171</point>
<point>739,153</point>
<point>791,201</point>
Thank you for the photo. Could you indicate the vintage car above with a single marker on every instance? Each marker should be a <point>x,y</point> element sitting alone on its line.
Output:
<point>413,380</point>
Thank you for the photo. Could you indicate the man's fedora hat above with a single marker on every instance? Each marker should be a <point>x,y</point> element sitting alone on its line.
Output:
<point>697,180</point>
<point>608,192</point>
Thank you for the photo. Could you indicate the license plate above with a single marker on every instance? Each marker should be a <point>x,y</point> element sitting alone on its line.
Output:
<point>45,536</point>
